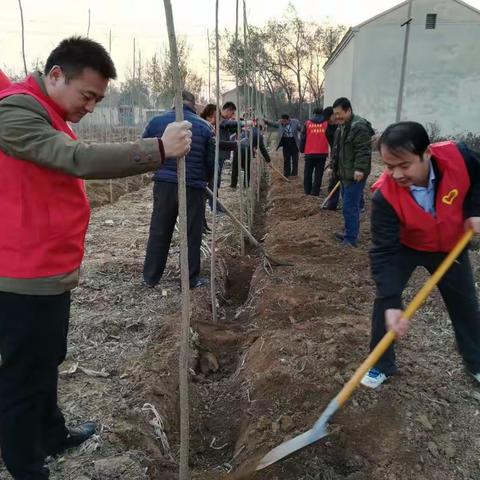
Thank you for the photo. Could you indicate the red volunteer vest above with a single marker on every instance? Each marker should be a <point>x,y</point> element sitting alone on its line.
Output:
<point>317,142</point>
<point>4,81</point>
<point>421,230</point>
<point>44,212</point>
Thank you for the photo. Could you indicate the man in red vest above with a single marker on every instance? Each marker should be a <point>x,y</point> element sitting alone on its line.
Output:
<point>45,215</point>
<point>4,81</point>
<point>314,144</point>
<point>426,198</point>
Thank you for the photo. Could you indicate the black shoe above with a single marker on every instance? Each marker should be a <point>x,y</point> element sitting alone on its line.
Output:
<point>198,282</point>
<point>206,228</point>
<point>339,237</point>
<point>149,284</point>
<point>76,436</point>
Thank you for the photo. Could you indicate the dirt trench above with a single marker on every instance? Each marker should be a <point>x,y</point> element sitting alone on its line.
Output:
<point>286,341</point>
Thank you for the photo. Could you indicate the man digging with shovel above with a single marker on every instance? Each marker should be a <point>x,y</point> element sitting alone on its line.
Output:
<point>427,197</point>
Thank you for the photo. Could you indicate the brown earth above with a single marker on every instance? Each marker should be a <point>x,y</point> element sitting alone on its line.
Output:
<point>286,341</point>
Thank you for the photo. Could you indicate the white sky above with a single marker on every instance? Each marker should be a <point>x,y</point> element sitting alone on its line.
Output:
<point>47,22</point>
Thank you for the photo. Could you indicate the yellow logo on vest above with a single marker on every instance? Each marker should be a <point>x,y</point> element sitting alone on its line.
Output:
<point>450,197</point>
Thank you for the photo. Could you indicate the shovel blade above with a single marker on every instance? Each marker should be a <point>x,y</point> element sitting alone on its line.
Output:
<point>292,445</point>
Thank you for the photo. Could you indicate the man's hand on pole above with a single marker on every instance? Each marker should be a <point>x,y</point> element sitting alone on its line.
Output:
<point>177,139</point>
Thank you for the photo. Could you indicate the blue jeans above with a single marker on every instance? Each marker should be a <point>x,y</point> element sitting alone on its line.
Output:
<point>352,194</point>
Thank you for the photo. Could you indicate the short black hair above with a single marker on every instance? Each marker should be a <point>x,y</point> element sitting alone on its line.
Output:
<point>74,54</point>
<point>405,137</point>
<point>317,111</point>
<point>229,106</point>
<point>342,102</point>
<point>188,97</point>
<point>285,116</point>
<point>327,112</point>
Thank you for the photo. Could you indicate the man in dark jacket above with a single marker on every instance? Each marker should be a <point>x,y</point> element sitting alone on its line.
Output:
<point>289,139</point>
<point>199,169</point>
<point>258,143</point>
<point>228,126</point>
<point>333,179</point>
<point>426,198</point>
<point>314,144</point>
<point>352,164</point>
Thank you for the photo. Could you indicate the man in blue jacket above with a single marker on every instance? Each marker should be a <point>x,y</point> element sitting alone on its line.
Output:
<point>200,164</point>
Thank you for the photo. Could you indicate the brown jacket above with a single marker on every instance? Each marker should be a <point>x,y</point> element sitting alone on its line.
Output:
<point>26,134</point>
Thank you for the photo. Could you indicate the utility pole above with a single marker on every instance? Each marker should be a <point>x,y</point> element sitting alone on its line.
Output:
<point>404,62</point>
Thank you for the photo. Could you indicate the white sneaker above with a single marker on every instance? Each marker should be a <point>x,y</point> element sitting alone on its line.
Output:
<point>476,376</point>
<point>374,378</point>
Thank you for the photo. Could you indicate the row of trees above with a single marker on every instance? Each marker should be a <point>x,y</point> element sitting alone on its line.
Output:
<point>288,56</point>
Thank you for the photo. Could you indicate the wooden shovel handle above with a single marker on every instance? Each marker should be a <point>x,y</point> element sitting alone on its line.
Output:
<point>414,305</point>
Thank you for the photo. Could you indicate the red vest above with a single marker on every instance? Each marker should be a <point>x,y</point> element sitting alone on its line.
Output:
<point>44,212</point>
<point>4,81</point>
<point>317,142</point>
<point>421,230</point>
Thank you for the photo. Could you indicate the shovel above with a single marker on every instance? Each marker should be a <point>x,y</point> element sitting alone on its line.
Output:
<point>278,171</point>
<point>319,429</point>
<point>330,195</point>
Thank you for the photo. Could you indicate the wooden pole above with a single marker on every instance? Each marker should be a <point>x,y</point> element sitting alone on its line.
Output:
<point>213,257</point>
<point>23,37</point>
<point>246,58</point>
<point>401,89</point>
<point>110,110</point>
<point>182,213</point>
<point>239,148</point>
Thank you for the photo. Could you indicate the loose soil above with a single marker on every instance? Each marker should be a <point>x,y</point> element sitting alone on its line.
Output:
<point>286,341</point>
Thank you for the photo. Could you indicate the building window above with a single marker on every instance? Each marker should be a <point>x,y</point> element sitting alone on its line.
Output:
<point>431,21</point>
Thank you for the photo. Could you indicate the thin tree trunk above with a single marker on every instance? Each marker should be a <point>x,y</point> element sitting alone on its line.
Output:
<point>23,38</point>
<point>239,148</point>
<point>213,257</point>
<point>182,198</point>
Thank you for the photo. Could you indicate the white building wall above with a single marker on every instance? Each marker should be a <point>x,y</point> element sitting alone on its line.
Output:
<point>443,68</point>
<point>339,76</point>
<point>377,67</point>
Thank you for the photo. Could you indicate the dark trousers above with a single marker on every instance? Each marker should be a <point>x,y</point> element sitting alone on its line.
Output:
<point>352,194</point>
<point>244,160</point>
<point>221,162</point>
<point>33,342</point>
<point>457,288</point>
<point>162,225</point>
<point>290,157</point>
<point>313,174</point>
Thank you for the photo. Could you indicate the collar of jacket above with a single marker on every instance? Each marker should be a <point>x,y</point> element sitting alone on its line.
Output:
<point>36,82</point>
<point>186,107</point>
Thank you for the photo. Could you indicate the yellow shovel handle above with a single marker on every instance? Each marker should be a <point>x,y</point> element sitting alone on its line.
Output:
<point>414,305</point>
